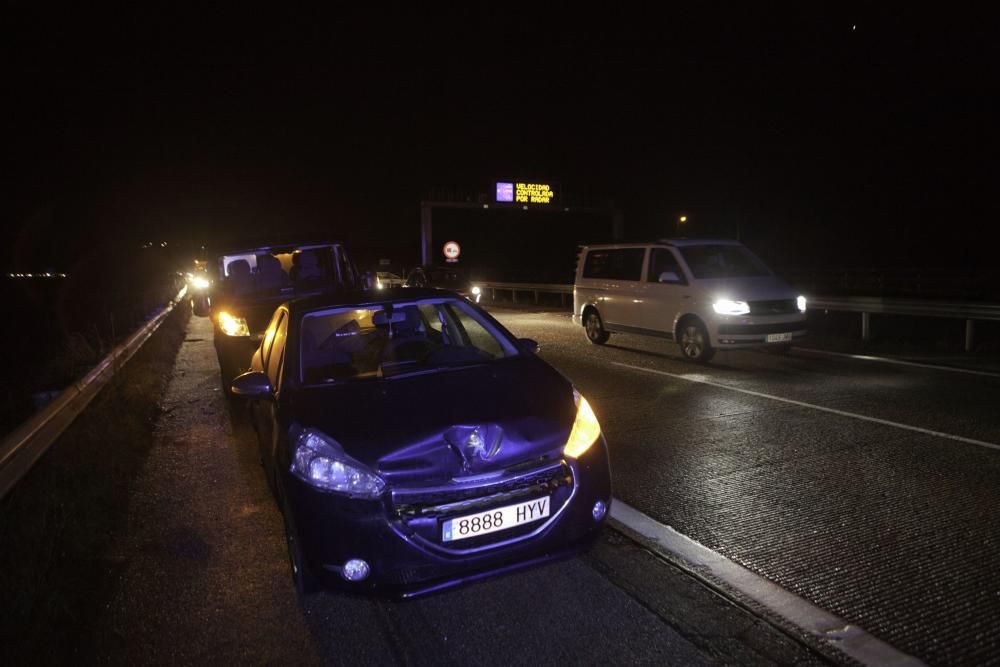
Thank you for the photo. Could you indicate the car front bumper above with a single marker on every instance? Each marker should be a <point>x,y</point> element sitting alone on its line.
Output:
<point>753,331</point>
<point>406,556</point>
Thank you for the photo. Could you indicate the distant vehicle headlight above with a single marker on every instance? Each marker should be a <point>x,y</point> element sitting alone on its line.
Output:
<point>729,307</point>
<point>586,429</point>
<point>320,461</point>
<point>199,282</point>
<point>476,290</point>
<point>801,303</point>
<point>233,326</point>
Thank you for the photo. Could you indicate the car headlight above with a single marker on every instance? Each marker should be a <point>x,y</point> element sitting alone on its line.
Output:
<point>801,303</point>
<point>200,282</point>
<point>378,284</point>
<point>233,326</point>
<point>476,290</point>
<point>729,307</point>
<point>586,429</point>
<point>320,461</point>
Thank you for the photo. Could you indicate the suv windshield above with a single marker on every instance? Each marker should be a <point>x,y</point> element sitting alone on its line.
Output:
<point>283,271</point>
<point>387,340</point>
<point>723,261</point>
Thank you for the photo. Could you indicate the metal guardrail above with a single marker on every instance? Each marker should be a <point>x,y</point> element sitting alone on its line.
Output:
<point>21,449</point>
<point>865,305</point>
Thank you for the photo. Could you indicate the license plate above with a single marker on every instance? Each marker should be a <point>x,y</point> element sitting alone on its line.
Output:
<point>779,338</point>
<point>495,520</point>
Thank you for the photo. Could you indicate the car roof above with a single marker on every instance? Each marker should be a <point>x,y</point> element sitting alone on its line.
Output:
<point>348,298</point>
<point>267,245</point>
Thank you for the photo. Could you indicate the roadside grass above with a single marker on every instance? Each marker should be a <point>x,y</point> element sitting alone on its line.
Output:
<point>57,524</point>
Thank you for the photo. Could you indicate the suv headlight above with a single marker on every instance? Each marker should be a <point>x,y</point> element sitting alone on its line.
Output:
<point>232,325</point>
<point>729,307</point>
<point>801,303</point>
<point>320,461</point>
<point>586,429</point>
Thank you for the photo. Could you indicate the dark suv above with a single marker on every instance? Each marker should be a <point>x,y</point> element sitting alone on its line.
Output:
<point>249,282</point>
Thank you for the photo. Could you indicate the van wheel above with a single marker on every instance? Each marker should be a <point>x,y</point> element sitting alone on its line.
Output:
<point>595,328</point>
<point>694,342</point>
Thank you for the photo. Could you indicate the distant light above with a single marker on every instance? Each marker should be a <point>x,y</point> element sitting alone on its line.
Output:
<point>684,218</point>
<point>486,205</point>
<point>854,27</point>
<point>163,244</point>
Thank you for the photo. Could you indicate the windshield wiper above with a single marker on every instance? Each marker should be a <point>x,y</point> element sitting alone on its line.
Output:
<point>429,371</point>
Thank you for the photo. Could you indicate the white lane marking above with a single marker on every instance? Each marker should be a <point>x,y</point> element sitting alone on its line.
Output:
<point>898,362</point>
<point>819,623</point>
<point>843,413</point>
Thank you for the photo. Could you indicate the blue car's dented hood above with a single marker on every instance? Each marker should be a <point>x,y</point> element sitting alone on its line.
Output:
<point>398,426</point>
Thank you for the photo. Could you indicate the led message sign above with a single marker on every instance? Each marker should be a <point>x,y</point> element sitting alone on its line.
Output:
<point>525,193</point>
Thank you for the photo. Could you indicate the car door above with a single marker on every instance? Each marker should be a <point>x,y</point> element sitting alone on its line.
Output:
<point>623,297</point>
<point>265,410</point>
<point>665,291</point>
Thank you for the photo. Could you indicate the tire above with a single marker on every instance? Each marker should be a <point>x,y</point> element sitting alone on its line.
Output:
<point>694,342</point>
<point>594,328</point>
<point>304,581</point>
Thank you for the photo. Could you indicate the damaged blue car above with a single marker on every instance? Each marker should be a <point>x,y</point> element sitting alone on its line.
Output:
<point>413,443</point>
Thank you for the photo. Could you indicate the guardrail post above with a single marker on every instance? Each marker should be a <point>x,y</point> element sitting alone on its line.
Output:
<point>866,326</point>
<point>970,327</point>
<point>493,293</point>
<point>536,297</point>
<point>513,295</point>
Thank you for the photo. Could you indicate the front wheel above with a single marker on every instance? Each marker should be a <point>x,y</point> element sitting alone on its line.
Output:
<point>596,333</point>
<point>304,581</point>
<point>694,342</point>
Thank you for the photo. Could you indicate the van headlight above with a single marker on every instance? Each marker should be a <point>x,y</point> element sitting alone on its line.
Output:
<point>729,307</point>
<point>232,325</point>
<point>586,429</point>
<point>801,303</point>
<point>320,461</point>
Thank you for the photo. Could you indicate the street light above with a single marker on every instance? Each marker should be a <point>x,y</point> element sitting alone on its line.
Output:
<point>680,223</point>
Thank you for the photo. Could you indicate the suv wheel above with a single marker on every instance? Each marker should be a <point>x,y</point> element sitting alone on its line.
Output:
<point>694,342</point>
<point>595,328</point>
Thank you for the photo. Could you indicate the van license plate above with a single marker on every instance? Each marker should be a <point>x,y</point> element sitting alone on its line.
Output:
<point>493,520</point>
<point>779,338</point>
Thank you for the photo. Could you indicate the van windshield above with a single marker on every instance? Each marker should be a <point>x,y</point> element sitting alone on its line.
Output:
<point>723,261</point>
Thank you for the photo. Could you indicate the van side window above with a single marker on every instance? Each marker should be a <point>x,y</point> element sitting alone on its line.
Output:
<point>619,264</point>
<point>661,261</point>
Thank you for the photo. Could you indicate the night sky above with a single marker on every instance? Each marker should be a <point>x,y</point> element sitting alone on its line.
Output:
<point>829,135</point>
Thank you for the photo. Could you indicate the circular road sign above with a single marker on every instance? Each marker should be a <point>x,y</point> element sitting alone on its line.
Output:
<point>452,250</point>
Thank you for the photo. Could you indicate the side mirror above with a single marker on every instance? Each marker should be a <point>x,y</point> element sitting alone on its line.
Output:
<point>252,385</point>
<point>200,305</point>
<point>669,277</point>
<point>528,345</point>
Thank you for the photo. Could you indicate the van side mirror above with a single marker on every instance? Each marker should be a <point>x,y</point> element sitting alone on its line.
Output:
<point>669,277</point>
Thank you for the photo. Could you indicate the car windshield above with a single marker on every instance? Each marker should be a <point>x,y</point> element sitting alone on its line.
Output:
<point>389,340</point>
<point>285,271</point>
<point>723,261</point>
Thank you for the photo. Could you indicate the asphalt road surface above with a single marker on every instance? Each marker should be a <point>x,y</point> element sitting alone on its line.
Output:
<point>869,489</point>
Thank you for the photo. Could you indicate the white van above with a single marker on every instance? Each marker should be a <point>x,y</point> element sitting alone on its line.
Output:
<point>705,294</point>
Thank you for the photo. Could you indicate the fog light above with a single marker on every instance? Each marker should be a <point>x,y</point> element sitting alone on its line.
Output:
<point>600,509</point>
<point>355,570</point>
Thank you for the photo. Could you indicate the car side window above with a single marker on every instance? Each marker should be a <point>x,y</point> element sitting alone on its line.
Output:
<point>662,261</point>
<point>277,352</point>
<point>265,349</point>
